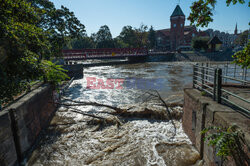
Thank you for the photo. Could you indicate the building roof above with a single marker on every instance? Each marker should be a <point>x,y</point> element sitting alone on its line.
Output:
<point>187,32</point>
<point>166,32</point>
<point>203,34</point>
<point>177,11</point>
<point>189,28</point>
<point>215,40</point>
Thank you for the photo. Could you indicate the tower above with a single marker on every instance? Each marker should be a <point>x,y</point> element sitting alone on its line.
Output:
<point>177,20</point>
<point>236,30</point>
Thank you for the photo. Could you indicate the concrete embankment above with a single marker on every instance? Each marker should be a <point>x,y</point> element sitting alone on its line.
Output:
<point>22,122</point>
<point>194,56</point>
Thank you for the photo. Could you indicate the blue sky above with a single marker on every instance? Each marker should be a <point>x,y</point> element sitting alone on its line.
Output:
<point>118,13</point>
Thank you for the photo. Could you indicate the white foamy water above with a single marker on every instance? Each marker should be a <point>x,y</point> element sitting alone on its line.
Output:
<point>72,140</point>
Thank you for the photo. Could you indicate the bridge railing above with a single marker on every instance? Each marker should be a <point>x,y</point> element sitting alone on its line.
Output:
<point>107,52</point>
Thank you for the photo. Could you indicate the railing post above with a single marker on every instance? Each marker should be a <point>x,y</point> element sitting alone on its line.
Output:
<point>234,70</point>
<point>214,86</point>
<point>245,75</point>
<point>202,77</point>
<point>207,78</point>
<point>194,75</point>
<point>225,80</point>
<point>218,87</point>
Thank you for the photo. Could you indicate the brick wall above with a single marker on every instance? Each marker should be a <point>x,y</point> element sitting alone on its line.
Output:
<point>201,112</point>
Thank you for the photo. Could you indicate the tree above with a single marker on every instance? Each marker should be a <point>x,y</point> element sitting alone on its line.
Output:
<point>128,36</point>
<point>31,31</point>
<point>103,38</point>
<point>229,142</point>
<point>152,37</point>
<point>22,42</point>
<point>60,24</point>
<point>242,58</point>
<point>242,38</point>
<point>118,43</point>
<point>141,36</point>
<point>202,11</point>
<point>201,15</point>
<point>199,43</point>
<point>82,42</point>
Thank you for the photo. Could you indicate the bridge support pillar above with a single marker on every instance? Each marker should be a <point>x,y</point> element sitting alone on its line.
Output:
<point>75,71</point>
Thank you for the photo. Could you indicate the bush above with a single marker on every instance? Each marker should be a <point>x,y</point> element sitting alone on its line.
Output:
<point>53,73</point>
<point>229,142</point>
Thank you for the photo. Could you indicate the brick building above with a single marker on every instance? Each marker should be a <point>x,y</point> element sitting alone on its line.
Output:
<point>178,35</point>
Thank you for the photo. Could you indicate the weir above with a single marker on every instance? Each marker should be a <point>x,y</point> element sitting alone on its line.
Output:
<point>145,133</point>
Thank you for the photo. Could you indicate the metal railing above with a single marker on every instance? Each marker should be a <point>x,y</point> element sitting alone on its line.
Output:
<point>211,80</point>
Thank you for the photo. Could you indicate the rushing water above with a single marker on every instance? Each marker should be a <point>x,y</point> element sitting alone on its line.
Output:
<point>72,140</point>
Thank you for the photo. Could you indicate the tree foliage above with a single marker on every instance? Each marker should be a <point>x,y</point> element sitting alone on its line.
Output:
<point>200,43</point>
<point>82,42</point>
<point>30,31</point>
<point>242,38</point>
<point>152,37</point>
<point>137,37</point>
<point>103,38</point>
<point>201,15</point>
<point>202,11</point>
<point>242,58</point>
<point>229,142</point>
<point>60,24</point>
<point>53,73</point>
<point>141,36</point>
<point>128,36</point>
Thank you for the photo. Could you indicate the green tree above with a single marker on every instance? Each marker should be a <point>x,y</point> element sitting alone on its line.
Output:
<point>31,31</point>
<point>104,38</point>
<point>152,37</point>
<point>242,38</point>
<point>128,36</point>
<point>141,36</point>
<point>202,11</point>
<point>229,142</point>
<point>242,58</point>
<point>200,43</point>
<point>82,42</point>
<point>22,42</point>
<point>60,24</point>
<point>201,15</point>
<point>118,43</point>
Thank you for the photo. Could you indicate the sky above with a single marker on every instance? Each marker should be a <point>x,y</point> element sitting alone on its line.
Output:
<point>119,13</point>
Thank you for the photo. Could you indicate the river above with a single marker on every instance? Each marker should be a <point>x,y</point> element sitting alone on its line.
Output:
<point>75,139</point>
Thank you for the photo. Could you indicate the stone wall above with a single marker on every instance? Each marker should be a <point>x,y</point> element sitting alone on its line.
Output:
<point>22,122</point>
<point>201,112</point>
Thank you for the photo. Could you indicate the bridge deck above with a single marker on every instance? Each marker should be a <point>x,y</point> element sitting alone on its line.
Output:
<point>108,53</point>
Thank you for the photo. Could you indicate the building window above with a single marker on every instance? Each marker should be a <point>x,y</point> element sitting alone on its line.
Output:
<point>174,25</point>
<point>181,25</point>
<point>159,40</point>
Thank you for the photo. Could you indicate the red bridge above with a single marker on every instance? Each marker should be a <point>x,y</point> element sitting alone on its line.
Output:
<point>107,53</point>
